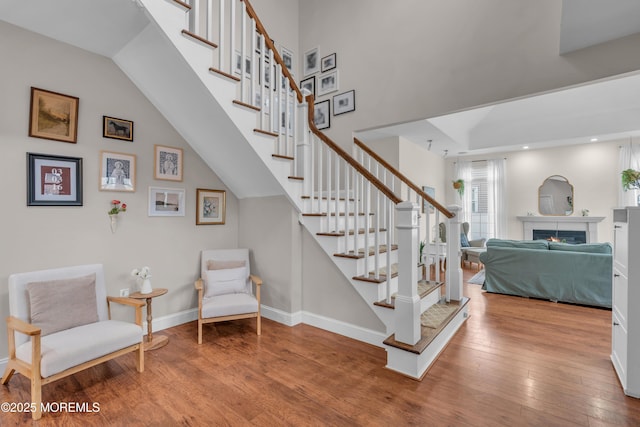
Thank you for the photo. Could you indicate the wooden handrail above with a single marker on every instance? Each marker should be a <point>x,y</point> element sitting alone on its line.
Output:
<point>357,166</point>
<point>404,179</point>
<point>270,45</point>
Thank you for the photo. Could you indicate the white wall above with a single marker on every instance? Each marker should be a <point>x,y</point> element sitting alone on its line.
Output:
<point>590,168</point>
<point>47,237</point>
<point>412,59</point>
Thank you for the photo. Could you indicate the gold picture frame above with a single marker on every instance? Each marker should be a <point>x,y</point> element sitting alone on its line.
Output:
<point>53,116</point>
<point>211,207</point>
<point>167,163</point>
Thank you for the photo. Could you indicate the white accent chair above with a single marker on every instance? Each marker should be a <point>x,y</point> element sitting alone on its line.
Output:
<point>60,324</point>
<point>225,288</point>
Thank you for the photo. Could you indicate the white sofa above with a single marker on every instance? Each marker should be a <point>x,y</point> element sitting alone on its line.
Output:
<point>60,324</point>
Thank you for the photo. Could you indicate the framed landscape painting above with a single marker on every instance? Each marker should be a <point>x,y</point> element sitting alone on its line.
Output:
<point>53,180</point>
<point>53,116</point>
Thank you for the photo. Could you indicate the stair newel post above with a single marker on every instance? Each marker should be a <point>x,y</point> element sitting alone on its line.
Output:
<point>407,305</point>
<point>454,270</point>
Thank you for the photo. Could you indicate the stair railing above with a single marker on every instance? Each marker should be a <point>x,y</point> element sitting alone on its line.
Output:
<point>337,185</point>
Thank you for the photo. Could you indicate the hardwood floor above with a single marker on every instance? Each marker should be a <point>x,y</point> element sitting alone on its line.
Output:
<point>515,362</point>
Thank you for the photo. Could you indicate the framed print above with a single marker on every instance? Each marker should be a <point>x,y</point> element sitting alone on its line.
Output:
<point>210,207</point>
<point>328,83</point>
<point>428,207</point>
<point>310,62</point>
<point>237,65</point>
<point>309,85</point>
<point>54,180</point>
<point>328,62</point>
<point>344,103</point>
<point>168,163</point>
<point>321,116</point>
<point>53,116</point>
<point>117,171</point>
<point>287,58</point>
<point>166,201</point>
<point>117,128</point>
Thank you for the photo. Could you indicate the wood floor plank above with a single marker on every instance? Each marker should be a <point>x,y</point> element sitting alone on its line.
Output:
<point>515,362</point>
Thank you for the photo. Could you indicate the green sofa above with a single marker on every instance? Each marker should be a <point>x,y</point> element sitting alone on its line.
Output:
<point>579,274</point>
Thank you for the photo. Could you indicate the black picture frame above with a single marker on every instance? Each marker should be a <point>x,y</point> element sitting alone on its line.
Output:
<point>322,115</point>
<point>310,84</point>
<point>117,128</point>
<point>344,103</point>
<point>54,180</point>
<point>328,62</point>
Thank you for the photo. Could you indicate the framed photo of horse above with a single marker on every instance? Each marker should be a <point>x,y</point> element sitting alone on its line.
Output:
<point>117,128</point>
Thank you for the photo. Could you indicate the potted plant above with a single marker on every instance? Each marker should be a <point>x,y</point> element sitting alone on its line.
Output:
<point>630,179</point>
<point>459,186</point>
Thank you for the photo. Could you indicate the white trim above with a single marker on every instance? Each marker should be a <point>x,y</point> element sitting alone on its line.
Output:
<point>171,320</point>
<point>289,319</point>
<point>346,329</point>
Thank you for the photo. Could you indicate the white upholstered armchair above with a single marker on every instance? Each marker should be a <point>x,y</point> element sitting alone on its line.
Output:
<point>60,324</point>
<point>225,288</point>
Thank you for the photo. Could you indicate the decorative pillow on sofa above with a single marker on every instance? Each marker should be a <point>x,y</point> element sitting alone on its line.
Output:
<point>592,248</point>
<point>523,244</point>
<point>57,305</point>
<point>226,281</point>
<point>464,242</point>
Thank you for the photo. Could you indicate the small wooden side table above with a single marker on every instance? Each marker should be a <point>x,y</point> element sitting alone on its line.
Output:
<point>151,342</point>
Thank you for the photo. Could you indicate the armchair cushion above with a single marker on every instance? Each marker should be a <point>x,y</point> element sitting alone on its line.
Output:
<point>226,281</point>
<point>71,347</point>
<point>230,304</point>
<point>464,242</point>
<point>213,264</point>
<point>62,304</point>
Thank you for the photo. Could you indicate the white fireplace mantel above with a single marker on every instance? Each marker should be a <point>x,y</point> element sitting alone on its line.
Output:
<point>565,223</point>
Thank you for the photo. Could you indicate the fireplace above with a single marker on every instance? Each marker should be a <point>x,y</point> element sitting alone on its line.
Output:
<point>567,236</point>
<point>572,229</point>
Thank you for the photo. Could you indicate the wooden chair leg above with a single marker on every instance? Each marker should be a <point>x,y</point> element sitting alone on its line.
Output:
<point>140,359</point>
<point>199,331</point>
<point>259,325</point>
<point>36,396</point>
<point>8,373</point>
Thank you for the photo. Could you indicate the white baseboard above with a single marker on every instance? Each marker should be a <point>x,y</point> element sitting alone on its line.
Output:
<point>289,319</point>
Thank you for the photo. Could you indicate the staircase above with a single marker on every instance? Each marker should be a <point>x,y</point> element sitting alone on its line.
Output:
<point>364,214</point>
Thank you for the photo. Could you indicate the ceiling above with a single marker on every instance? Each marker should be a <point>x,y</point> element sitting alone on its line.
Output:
<point>606,110</point>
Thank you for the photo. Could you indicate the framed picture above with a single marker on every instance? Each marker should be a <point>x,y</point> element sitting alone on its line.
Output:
<point>328,62</point>
<point>321,116</point>
<point>328,83</point>
<point>287,58</point>
<point>310,62</point>
<point>117,171</point>
<point>168,163</point>
<point>210,207</point>
<point>237,64</point>
<point>53,116</point>
<point>308,84</point>
<point>344,103</point>
<point>117,128</point>
<point>166,201</point>
<point>425,205</point>
<point>54,180</point>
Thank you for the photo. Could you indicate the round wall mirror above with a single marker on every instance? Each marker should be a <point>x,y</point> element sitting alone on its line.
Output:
<point>555,196</point>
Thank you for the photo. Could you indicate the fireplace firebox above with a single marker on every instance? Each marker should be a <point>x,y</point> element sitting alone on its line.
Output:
<point>567,236</point>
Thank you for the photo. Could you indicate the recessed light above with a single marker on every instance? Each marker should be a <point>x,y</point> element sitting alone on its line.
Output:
<point>593,140</point>
<point>525,147</point>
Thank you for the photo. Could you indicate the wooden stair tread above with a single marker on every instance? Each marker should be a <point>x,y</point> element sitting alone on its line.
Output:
<point>199,38</point>
<point>297,178</point>
<point>280,156</point>
<point>427,334</point>
<point>183,4</point>
<point>223,74</point>
<point>266,132</point>
<point>382,275</point>
<point>341,232</point>
<point>360,254</point>
<point>325,198</point>
<point>245,105</point>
